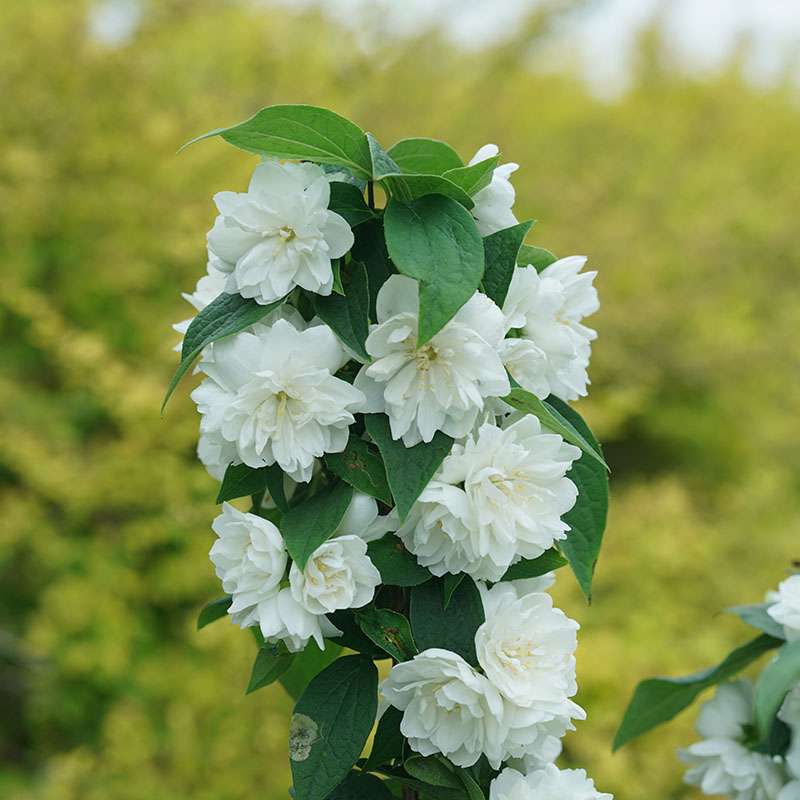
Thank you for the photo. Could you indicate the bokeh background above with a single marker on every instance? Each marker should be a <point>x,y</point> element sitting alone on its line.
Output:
<point>675,166</point>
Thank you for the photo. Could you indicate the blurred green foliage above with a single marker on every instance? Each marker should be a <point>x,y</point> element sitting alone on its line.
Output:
<point>684,194</point>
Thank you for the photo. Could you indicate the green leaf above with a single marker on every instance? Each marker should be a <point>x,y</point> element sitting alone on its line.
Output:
<point>382,162</point>
<point>387,744</point>
<point>361,786</point>
<point>435,241</point>
<point>474,792</point>
<point>275,477</point>
<point>396,565</point>
<point>449,584</point>
<point>390,630</point>
<point>587,518</point>
<point>757,616</point>
<point>409,187</point>
<point>500,252</point>
<point>336,268</point>
<point>240,481</point>
<point>549,561</point>
<point>213,611</point>
<point>348,316</point>
<point>353,638</point>
<point>452,628</point>
<point>779,676</point>
<point>370,249</point>
<point>429,156</point>
<point>552,415</point>
<point>300,132</point>
<point>306,526</point>
<point>538,257</point>
<point>310,662</point>
<point>348,201</point>
<point>361,467</point>
<point>658,700</point>
<point>424,790</point>
<point>272,660</point>
<point>330,725</point>
<point>433,771</point>
<point>474,177</point>
<point>223,316</point>
<point>408,469</point>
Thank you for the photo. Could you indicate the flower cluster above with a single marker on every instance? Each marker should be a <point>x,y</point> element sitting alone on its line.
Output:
<point>308,352</point>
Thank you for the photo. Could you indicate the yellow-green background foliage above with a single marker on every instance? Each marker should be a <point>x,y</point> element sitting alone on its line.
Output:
<point>685,195</point>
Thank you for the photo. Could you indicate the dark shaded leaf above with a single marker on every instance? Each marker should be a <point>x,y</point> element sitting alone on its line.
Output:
<point>272,660</point>
<point>348,315</point>
<point>396,565</point>
<point>213,611</point>
<point>348,201</point>
<point>361,467</point>
<point>500,253</point>
<point>387,744</point>
<point>390,630</point>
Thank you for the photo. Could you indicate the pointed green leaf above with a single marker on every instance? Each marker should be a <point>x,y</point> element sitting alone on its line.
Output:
<point>330,725</point>
<point>382,163</point>
<point>409,187</point>
<point>353,638</point>
<point>500,252</point>
<point>658,700</point>
<point>390,630</point>
<point>387,744</point>
<point>310,662</point>
<point>779,676</point>
<point>348,201</point>
<point>427,156</point>
<point>452,628</point>
<point>361,467</point>
<point>396,565</point>
<point>241,481</point>
<point>300,132</point>
<point>306,526</point>
<point>408,469</point>
<point>474,177</point>
<point>538,257</point>
<point>433,771</point>
<point>370,249</point>
<point>272,660</point>
<point>348,316</point>
<point>224,316</point>
<point>549,561</point>
<point>361,786</point>
<point>435,241</point>
<point>213,611</point>
<point>474,792</point>
<point>449,584</point>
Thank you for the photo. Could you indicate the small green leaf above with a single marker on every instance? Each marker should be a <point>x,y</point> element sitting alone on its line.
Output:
<point>551,414</point>
<point>330,725</point>
<point>427,156</point>
<point>300,132</point>
<point>382,163</point>
<point>452,628</point>
<point>757,616</point>
<point>361,467</point>
<point>587,518</point>
<point>310,662</point>
<point>353,638</point>
<point>361,786</point>
<point>396,565</point>
<point>474,792</point>
<point>348,201</point>
<point>336,268</point>
<point>306,526</point>
<point>348,316</point>
<point>537,257</point>
<point>435,241</point>
<point>449,584</point>
<point>370,249</point>
<point>500,252</point>
<point>779,676</point>
<point>387,744</point>
<point>409,187</point>
<point>390,630</point>
<point>224,316</point>
<point>213,611</point>
<point>408,469</point>
<point>240,481</point>
<point>658,700</point>
<point>433,771</point>
<point>275,478</point>
<point>549,561</point>
<point>272,660</point>
<point>474,177</point>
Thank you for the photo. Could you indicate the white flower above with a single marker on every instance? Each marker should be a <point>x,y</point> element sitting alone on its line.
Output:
<point>790,714</point>
<point>282,618</point>
<point>493,203</point>
<point>548,309</point>
<point>338,574</point>
<point>250,559</point>
<point>496,498</point>
<point>441,385</point>
<point>448,707</point>
<point>279,234</point>
<point>548,783</point>
<point>272,393</point>
<point>215,453</point>
<point>790,792</point>
<point>362,519</point>
<point>721,764</point>
<point>208,288</point>
<point>785,609</point>
<point>526,647</point>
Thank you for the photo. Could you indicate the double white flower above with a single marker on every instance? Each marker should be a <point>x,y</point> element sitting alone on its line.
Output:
<point>441,386</point>
<point>271,396</point>
<point>519,707</point>
<point>493,204</point>
<point>250,559</point>
<point>547,783</point>
<point>279,233</point>
<point>785,608</point>
<point>497,497</point>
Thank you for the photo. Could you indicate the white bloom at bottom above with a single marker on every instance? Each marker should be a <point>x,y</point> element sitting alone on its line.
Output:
<point>448,707</point>
<point>548,783</point>
<point>338,574</point>
<point>785,608</point>
<point>721,764</point>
